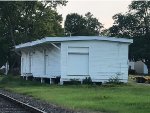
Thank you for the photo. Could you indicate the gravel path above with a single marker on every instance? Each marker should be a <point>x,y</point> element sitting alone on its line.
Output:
<point>49,108</point>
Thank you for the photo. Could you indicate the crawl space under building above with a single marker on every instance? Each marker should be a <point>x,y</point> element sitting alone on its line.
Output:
<point>76,57</point>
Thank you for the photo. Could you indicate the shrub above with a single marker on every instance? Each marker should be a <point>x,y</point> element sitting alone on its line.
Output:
<point>132,72</point>
<point>2,71</point>
<point>72,82</point>
<point>12,80</point>
<point>148,81</point>
<point>114,80</point>
<point>87,81</point>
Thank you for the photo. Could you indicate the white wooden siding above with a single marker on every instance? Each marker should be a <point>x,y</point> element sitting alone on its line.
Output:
<point>24,62</point>
<point>43,64</point>
<point>37,63</point>
<point>106,59</point>
<point>98,59</point>
<point>53,64</point>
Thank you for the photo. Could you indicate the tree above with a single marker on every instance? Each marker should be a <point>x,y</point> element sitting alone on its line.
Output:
<point>125,26</point>
<point>135,24</point>
<point>4,51</point>
<point>141,10</point>
<point>74,24</point>
<point>77,25</point>
<point>140,50</point>
<point>26,21</point>
<point>93,26</point>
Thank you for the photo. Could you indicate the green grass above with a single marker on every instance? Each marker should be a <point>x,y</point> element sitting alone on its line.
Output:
<point>130,98</point>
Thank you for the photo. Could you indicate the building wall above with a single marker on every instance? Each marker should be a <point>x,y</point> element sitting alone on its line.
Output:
<point>53,62</point>
<point>145,69</point>
<point>131,65</point>
<point>37,63</point>
<point>24,62</point>
<point>44,62</point>
<point>139,67</point>
<point>106,60</point>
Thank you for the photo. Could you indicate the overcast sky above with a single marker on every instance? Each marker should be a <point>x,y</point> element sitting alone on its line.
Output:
<point>103,10</point>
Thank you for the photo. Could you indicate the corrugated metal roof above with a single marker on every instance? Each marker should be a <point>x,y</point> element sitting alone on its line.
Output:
<point>73,38</point>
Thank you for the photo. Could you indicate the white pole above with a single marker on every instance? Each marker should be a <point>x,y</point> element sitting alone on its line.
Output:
<point>6,68</point>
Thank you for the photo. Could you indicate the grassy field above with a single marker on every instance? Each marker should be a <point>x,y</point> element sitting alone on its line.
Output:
<point>130,98</point>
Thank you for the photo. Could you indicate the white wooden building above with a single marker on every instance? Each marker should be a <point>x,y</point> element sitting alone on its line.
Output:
<point>76,57</point>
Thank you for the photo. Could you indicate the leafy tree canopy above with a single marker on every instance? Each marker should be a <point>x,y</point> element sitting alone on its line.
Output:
<point>135,24</point>
<point>23,21</point>
<point>77,25</point>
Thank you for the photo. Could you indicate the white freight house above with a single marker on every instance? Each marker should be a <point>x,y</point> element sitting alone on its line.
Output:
<point>76,57</point>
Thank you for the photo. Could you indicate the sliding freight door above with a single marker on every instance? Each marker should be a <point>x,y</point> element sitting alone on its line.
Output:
<point>78,61</point>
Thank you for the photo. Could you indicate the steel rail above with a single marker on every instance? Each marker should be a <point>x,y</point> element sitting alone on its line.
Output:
<point>28,107</point>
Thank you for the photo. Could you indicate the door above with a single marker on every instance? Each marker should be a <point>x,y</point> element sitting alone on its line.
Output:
<point>45,62</point>
<point>30,62</point>
<point>78,64</point>
<point>22,66</point>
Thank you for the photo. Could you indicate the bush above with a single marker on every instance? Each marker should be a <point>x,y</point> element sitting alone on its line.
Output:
<point>12,80</point>
<point>2,71</point>
<point>114,80</point>
<point>87,81</point>
<point>148,81</point>
<point>132,72</point>
<point>72,82</point>
<point>15,71</point>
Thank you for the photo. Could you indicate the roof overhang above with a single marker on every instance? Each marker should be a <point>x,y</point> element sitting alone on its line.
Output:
<point>73,38</point>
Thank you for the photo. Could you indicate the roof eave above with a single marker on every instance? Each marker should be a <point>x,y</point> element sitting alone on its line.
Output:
<point>78,38</point>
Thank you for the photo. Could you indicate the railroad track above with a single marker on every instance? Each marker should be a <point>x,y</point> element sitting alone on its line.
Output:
<point>11,105</point>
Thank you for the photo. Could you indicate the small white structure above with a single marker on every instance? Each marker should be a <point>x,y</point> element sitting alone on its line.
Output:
<point>139,67</point>
<point>6,68</point>
<point>76,57</point>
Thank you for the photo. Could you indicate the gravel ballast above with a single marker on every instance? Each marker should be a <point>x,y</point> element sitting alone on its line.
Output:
<point>10,107</point>
<point>42,105</point>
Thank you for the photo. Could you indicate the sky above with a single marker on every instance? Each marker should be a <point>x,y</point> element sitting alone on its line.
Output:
<point>103,10</point>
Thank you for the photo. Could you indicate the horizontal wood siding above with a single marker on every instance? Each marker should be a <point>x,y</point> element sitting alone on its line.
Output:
<point>37,62</point>
<point>106,59</point>
<point>53,64</point>
<point>24,62</point>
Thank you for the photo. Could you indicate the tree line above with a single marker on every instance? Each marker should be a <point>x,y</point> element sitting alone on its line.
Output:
<point>135,24</point>
<point>78,25</point>
<point>24,21</point>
